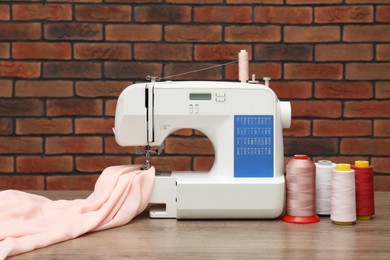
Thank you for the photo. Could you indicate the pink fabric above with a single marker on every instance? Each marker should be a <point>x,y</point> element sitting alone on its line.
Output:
<point>28,221</point>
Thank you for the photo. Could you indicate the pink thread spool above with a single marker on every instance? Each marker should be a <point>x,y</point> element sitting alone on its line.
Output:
<point>243,66</point>
<point>343,199</point>
<point>300,184</point>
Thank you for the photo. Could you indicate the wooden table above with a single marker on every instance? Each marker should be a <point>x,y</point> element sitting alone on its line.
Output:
<point>145,238</point>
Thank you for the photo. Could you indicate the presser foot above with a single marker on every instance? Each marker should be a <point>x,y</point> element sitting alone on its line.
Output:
<point>148,151</point>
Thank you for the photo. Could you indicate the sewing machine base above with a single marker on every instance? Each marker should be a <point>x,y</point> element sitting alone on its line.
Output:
<point>203,196</point>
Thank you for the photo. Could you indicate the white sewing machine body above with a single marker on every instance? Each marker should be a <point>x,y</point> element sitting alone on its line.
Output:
<point>243,122</point>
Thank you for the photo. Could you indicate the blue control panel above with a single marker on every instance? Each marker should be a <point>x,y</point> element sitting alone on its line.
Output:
<point>253,146</point>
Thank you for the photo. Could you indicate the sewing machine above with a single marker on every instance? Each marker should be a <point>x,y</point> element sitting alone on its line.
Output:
<point>243,122</point>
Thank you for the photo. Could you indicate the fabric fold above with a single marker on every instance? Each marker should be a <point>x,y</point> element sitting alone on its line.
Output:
<point>29,221</point>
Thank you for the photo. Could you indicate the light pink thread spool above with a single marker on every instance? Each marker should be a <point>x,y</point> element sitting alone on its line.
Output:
<point>243,66</point>
<point>343,200</point>
<point>300,184</point>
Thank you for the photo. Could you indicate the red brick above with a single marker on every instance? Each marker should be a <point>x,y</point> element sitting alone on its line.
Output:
<point>223,14</point>
<point>291,52</point>
<point>74,107</point>
<point>365,146</point>
<point>20,31</point>
<point>74,182</point>
<point>311,146</point>
<point>21,107</point>
<point>382,14</point>
<point>367,109</point>
<point>313,71</point>
<point>73,31</point>
<point>47,164</point>
<point>41,50</point>
<point>284,15</point>
<point>252,33</point>
<point>366,33</point>
<point>367,2</point>
<point>78,1</point>
<point>171,52</point>
<point>48,12</point>
<point>383,52</point>
<point>177,145</point>
<point>134,1</point>
<point>124,32</point>
<point>381,183</point>
<point>78,70</point>
<point>22,182</point>
<point>293,89</point>
<point>6,164</point>
<point>100,88</point>
<point>131,70</point>
<point>28,145</point>
<point>20,69</point>
<point>102,51</point>
<point>99,163</point>
<point>40,88</point>
<point>344,14</point>
<point>6,126</point>
<point>342,128</point>
<point>193,1</point>
<point>111,147</point>
<point>188,33</point>
<point>94,125</point>
<point>203,164</point>
<point>4,10</point>
<point>5,88</point>
<point>171,69</point>
<point>220,52</point>
<point>317,109</point>
<point>162,14</point>
<point>261,70</point>
<point>381,165</point>
<point>27,126</point>
<point>312,34</point>
<point>343,90</point>
<point>110,106</point>
<point>314,2</point>
<point>106,13</point>
<point>382,90</point>
<point>298,128</point>
<point>367,71</point>
<point>167,164</point>
<point>344,52</point>
<point>382,128</point>
<point>274,2</point>
<point>70,145</point>
<point>4,50</point>
<point>182,132</point>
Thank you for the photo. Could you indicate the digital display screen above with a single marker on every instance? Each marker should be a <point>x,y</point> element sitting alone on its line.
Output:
<point>200,96</point>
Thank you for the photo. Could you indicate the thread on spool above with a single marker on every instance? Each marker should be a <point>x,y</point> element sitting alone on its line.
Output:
<point>364,188</point>
<point>343,202</point>
<point>324,186</point>
<point>243,66</point>
<point>300,187</point>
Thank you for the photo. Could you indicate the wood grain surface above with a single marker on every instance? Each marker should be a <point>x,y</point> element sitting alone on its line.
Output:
<point>145,238</point>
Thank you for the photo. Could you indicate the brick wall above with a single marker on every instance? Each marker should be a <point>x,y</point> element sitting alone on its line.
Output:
<point>63,64</point>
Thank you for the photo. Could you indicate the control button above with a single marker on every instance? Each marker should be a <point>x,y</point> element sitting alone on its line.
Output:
<point>196,109</point>
<point>191,110</point>
<point>220,99</point>
<point>220,94</point>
